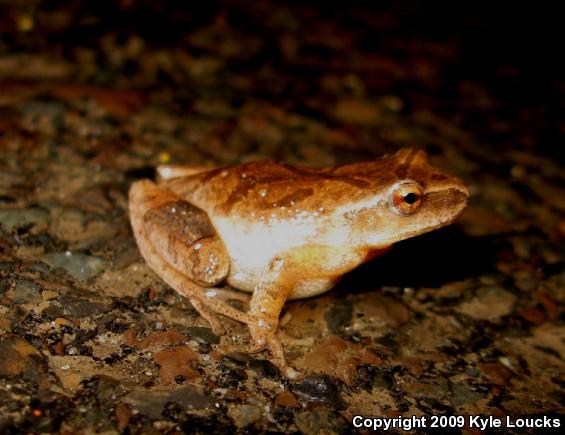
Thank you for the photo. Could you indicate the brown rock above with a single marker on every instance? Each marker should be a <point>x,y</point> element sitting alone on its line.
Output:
<point>130,337</point>
<point>60,348</point>
<point>336,357</point>
<point>123,414</point>
<point>18,357</point>
<point>235,395</point>
<point>286,399</point>
<point>496,373</point>
<point>176,362</point>
<point>533,315</point>
<point>217,356</point>
<point>244,415</point>
<point>549,304</point>
<point>5,324</point>
<point>490,303</point>
<point>377,308</point>
<point>157,338</point>
<point>356,111</point>
<point>119,103</point>
<point>561,228</point>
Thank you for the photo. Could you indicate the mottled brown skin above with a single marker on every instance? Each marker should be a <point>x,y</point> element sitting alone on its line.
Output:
<point>282,232</point>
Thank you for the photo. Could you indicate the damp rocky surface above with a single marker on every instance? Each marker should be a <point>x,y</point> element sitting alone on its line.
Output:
<point>464,321</point>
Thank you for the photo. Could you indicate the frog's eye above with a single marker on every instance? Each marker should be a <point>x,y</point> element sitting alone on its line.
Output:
<point>407,197</point>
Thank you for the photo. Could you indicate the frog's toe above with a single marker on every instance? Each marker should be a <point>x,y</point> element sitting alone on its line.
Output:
<point>215,322</point>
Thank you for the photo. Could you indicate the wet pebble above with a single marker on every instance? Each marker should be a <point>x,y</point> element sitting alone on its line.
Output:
<point>202,335</point>
<point>76,306</point>
<point>286,399</point>
<point>152,403</point>
<point>339,315</point>
<point>525,280</point>
<point>264,368</point>
<point>6,266</point>
<point>316,422</point>
<point>496,373</point>
<point>27,292</point>
<point>14,218</point>
<point>489,303</point>
<point>19,357</point>
<point>236,359</point>
<point>464,393</point>
<point>317,389</point>
<point>244,415</point>
<point>438,388</point>
<point>80,266</point>
<point>176,362</point>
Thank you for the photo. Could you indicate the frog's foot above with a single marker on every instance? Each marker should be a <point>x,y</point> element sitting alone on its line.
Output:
<point>265,338</point>
<point>215,322</point>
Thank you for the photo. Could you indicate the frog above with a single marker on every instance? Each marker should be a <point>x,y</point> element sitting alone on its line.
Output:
<point>282,232</point>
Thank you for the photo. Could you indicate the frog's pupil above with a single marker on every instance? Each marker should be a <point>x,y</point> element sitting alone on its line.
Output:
<point>410,198</point>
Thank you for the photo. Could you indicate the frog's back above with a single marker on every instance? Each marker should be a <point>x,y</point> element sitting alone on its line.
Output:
<point>267,188</point>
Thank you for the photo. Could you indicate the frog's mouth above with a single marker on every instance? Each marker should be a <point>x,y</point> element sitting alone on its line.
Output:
<point>440,208</point>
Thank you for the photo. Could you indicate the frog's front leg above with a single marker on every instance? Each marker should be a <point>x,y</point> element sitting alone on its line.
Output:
<point>269,296</point>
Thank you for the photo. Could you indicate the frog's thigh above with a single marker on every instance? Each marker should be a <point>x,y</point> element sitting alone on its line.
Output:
<point>145,196</point>
<point>185,238</point>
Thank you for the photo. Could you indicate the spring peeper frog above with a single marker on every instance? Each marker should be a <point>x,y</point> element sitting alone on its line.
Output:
<point>282,232</point>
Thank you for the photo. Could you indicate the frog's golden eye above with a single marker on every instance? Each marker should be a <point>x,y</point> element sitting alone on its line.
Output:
<point>407,197</point>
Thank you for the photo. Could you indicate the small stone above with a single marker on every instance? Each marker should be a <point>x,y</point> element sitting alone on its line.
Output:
<point>336,357</point>
<point>356,111</point>
<point>286,399</point>
<point>496,373</point>
<point>525,280</point>
<point>473,372</point>
<point>27,292</point>
<point>379,309</point>
<point>6,324</point>
<point>19,357</point>
<point>244,415</point>
<point>463,393</point>
<point>60,348</point>
<point>318,421</point>
<point>339,315</point>
<point>235,359</point>
<point>202,335</point>
<point>76,306</point>
<point>152,402</point>
<point>160,338</point>
<point>317,389</point>
<point>533,315</point>
<point>436,388</point>
<point>264,368</point>
<point>80,266</point>
<point>15,218</point>
<point>123,414</point>
<point>176,362</point>
<point>489,303</point>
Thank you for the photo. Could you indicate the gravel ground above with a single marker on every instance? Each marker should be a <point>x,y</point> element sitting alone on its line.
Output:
<point>464,321</point>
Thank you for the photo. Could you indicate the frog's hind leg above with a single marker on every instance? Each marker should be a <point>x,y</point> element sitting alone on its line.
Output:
<point>190,257</point>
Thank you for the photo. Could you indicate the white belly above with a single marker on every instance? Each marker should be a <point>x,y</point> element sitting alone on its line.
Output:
<point>253,247</point>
